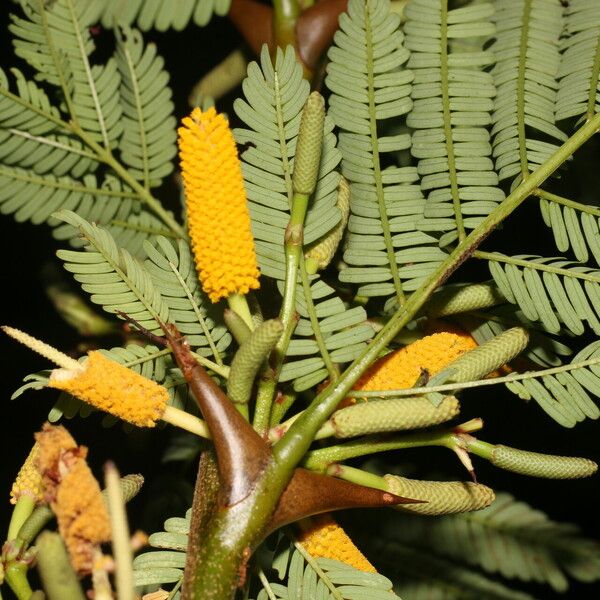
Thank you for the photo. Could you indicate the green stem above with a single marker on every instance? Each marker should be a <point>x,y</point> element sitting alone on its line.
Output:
<point>479,448</point>
<point>523,63</point>
<point>445,81</point>
<point>38,519</point>
<point>264,402</point>
<point>586,208</point>
<point>294,240</point>
<point>591,105</point>
<point>121,543</point>
<point>319,460</point>
<point>21,512</point>
<point>378,180</point>
<point>285,15</point>
<point>281,407</point>
<point>105,155</point>
<point>357,476</point>
<point>239,304</point>
<point>57,65</point>
<point>314,321</point>
<point>16,577</point>
<point>528,264</point>
<point>451,387</point>
<point>292,447</point>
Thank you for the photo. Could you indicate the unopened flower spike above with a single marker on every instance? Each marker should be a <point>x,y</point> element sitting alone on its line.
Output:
<point>217,210</point>
<point>26,492</point>
<point>112,387</point>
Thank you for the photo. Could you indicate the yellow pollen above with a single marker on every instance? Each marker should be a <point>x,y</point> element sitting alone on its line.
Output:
<point>29,479</point>
<point>73,494</point>
<point>326,539</point>
<point>217,211</point>
<point>401,369</point>
<point>109,386</point>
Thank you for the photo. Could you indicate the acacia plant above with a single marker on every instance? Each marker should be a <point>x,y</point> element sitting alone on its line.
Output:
<point>310,296</point>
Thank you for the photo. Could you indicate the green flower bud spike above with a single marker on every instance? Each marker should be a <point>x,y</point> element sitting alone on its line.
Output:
<point>57,575</point>
<point>249,358</point>
<point>321,253</point>
<point>488,357</point>
<point>388,415</point>
<point>454,299</point>
<point>533,464</point>
<point>308,147</point>
<point>236,325</point>
<point>442,497</point>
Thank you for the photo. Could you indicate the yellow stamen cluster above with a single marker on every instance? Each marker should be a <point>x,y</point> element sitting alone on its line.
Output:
<point>324,538</point>
<point>74,495</point>
<point>111,387</point>
<point>29,479</point>
<point>217,212</point>
<point>398,370</point>
<point>402,368</point>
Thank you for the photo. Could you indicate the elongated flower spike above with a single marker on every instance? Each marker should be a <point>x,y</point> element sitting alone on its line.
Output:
<point>442,497</point>
<point>324,538</point>
<point>111,387</point>
<point>73,494</point>
<point>217,211</point>
<point>534,464</point>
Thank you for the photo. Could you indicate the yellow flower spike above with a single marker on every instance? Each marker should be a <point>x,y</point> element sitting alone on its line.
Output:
<point>26,493</point>
<point>73,494</point>
<point>324,538</point>
<point>217,211</point>
<point>29,479</point>
<point>401,369</point>
<point>112,387</point>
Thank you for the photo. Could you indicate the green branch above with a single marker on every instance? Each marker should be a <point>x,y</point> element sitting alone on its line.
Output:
<point>528,264</point>
<point>292,447</point>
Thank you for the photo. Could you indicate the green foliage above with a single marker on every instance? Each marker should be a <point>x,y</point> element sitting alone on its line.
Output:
<point>509,538</point>
<point>527,62</point>
<point>149,130</point>
<point>149,14</point>
<point>555,292</point>
<point>385,253</point>
<point>579,89</point>
<point>322,579</point>
<point>57,44</point>
<point>453,100</point>
<point>433,118</point>
<point>274,97</point>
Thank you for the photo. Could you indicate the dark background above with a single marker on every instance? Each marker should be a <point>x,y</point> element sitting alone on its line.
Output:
<point>25,252</point>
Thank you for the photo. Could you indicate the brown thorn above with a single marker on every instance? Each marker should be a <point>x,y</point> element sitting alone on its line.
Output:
<point>310,493</point>
<point>315,29</point>
<point>254,21</point>
<point>242,455</point>
<point>157,339</point>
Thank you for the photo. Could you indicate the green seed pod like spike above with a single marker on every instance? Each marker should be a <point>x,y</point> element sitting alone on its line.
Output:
<point>249,358</point>
<point>542,465</point>
<point>236,325</point>
<point>461,298</point>
<point>477,363</point>
<point>57,575</point>
<point>443,497</point>
<point>130,486</point>
<point>392,415</point>
<point>320,255</point>
<point>308,147</point>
